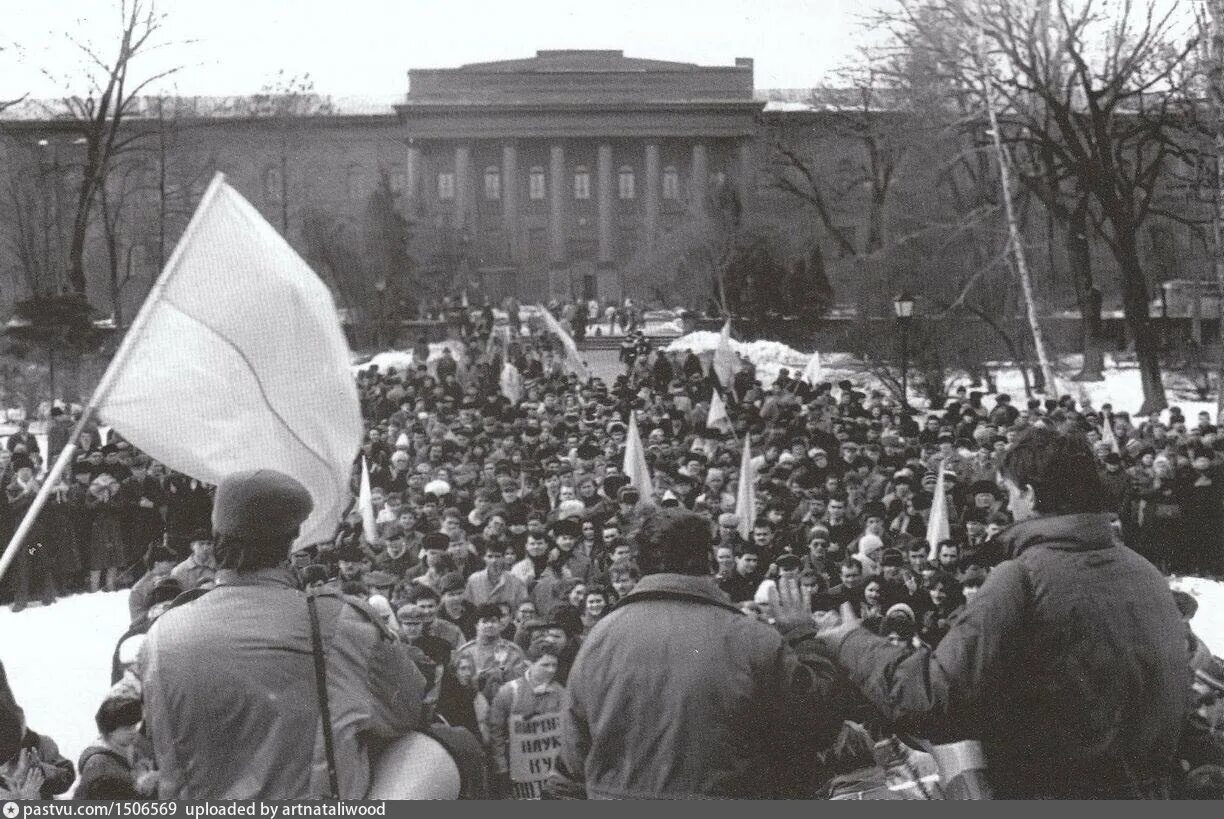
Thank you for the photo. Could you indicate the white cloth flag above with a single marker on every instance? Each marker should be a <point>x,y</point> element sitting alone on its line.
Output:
<point>717,418</point>
<point>635,465</point>
<point>938,527</point>
<point>745,496</point>
<point>1108,436</point>
<point>239,362</point>
<point>511,383</point>
<point>572,359</point>
<point>813,373</point>
<point>365,503</point>
<point>724,358</point>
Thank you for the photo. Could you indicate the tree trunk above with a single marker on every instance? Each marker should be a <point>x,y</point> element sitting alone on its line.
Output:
<point>1138,320</point>
<point>1080,257</point>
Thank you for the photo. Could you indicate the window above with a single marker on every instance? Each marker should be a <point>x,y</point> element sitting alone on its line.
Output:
<point>492,179</point>
<point>624,183</point>
<point>446,186</point>
<point>671,183</point>
<point>582,182</point>
<point>535,183</point>
<point>273,184</point>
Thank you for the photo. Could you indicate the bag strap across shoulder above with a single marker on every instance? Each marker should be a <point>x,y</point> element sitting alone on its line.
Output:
<point>320,667</point>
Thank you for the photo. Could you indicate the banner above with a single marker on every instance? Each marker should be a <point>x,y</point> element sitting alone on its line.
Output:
<point>572,359</point>
<point>365,503</point>
<point>745,497</point>
<point>725,364</point>
<point>938,526</point>
<point>635,465</point>
<point>535,745</point>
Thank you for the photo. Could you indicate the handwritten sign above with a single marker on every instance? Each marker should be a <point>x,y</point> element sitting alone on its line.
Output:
<point>535,745</point>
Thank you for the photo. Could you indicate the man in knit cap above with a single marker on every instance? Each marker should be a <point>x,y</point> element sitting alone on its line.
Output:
<point>229,679</point>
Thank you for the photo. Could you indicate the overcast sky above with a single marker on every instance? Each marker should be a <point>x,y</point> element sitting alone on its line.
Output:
<point>365,47</point>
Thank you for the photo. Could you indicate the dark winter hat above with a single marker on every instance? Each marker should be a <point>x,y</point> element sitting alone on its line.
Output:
<point>157,553</point>
<point>351,552</point>
<point>1187,606</point>
<point>260,503</point>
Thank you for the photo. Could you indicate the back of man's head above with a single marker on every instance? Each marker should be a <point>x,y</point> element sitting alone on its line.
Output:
<point>1060,467</point>
<point>676,541</point>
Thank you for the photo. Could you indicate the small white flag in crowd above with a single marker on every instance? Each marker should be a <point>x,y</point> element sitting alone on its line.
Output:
<point>1108,436</point>
<point>572,359</point>
<point>238,362</point>
<point>511,383</point>
<point>813,373</point>
<point>635,461</point>
<point>745,496</point>
<point>365,503</point>
<point>717,417</point>
<point>724,358</point>
<point>938,527</point>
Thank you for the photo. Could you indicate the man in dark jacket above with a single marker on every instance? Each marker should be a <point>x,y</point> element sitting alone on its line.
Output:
<point>1066,666</point>
<point>676,694</point>
<point>229,682</point>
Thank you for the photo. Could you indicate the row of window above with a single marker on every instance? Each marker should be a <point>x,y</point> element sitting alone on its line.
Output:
<point>537,187</point>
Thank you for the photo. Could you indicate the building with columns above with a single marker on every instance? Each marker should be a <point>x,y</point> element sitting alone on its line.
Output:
<point>553,171</point>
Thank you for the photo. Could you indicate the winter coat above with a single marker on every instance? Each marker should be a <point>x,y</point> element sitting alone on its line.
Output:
<point>1069,665</point>
<point>230,694</point>
<point>676,694</point>
<point>105,774</point>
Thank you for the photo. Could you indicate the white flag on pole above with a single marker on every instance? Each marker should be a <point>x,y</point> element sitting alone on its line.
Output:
<point>241,363</point>
<point>1108,436</point>
<point>813,373</point>
<point>511,383</point>
<point>938,527</point>
<point>725,364</point>
<point>717,417</point>
<point>745,496</point>
<point>572,358</point>
<point>635,465</point>
<point>365,503</point>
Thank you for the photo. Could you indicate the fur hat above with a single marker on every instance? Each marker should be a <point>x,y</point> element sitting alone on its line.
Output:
<point>260,503</point>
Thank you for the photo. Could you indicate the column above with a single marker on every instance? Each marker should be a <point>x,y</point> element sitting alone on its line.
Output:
<point>699,177</point>
<point>412,173</point>
<point>510,198</point>
<point>747,171</point>
<point>605,204</point>
<point>463,170</point>
<point>651,205</point>
<point>556,206</point>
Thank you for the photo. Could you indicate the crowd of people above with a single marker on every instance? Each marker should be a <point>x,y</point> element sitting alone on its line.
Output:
<point>507,532</point>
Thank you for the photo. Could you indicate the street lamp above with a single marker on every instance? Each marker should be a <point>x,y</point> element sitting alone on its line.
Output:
<point>903,307</point>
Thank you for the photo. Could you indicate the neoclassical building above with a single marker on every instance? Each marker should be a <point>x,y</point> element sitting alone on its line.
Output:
<point>555,170</point>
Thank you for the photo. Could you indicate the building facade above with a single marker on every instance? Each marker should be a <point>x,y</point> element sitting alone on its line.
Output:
<point>555,170</point>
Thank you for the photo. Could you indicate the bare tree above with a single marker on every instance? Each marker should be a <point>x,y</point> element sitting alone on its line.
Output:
<point>1089,104</point>
<point>102,112</point>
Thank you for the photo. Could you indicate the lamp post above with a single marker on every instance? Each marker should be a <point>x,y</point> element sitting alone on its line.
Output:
<point>903,307</point>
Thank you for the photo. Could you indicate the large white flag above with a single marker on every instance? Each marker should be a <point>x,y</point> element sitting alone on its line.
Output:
<point>635,465</point>
<point>745,496</point>
<point>365,504</point>
<point>238,362</point>
<point>938,526</point>
<point>717,417</point>
<point>725,364</point>
<point>572,358</point>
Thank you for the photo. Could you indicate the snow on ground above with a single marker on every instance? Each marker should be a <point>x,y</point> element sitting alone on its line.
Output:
<point>58,662</point>
<point>58,658</point>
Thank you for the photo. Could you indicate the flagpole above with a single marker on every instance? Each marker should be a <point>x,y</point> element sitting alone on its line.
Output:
<point>107,382</point>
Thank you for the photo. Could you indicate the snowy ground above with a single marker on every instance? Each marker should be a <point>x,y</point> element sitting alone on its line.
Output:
<point>1121,386</point>
<point>58,658</point>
